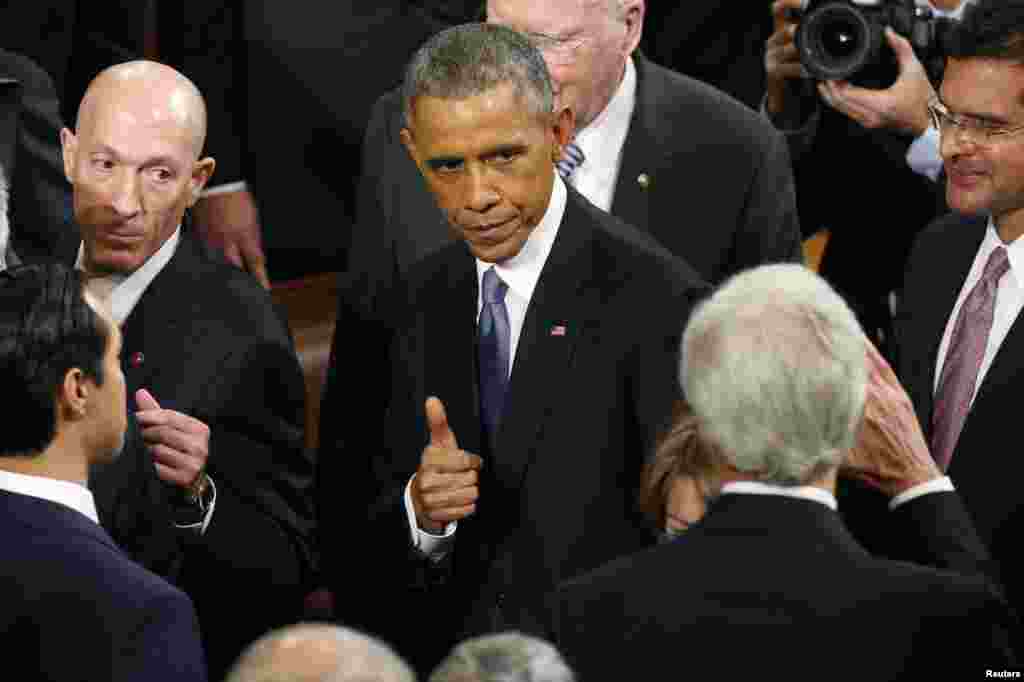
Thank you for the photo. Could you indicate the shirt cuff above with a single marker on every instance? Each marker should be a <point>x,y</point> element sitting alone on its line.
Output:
<point>936,485</point>
<point>200,527</point>
<point>433,546</point>
<point>226,188</point>
<point>923,156</point>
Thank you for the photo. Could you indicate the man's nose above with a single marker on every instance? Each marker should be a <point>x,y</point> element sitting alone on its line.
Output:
<point>126,194</point>
<point>481,194</point>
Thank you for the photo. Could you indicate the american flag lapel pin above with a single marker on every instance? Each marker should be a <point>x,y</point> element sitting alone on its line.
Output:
<point>558,330</point>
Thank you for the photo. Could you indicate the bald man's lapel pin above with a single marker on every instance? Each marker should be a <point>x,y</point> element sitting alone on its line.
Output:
<point>644,180</point>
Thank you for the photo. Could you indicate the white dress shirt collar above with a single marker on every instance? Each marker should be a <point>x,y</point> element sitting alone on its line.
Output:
<point>522,271</point>
<point>73,495</point>
<point>1009,302</point>
<point>128,289</point>
<point>801,492</point>
<point>602,142</point>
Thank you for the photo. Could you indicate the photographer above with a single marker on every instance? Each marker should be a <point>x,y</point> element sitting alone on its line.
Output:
<point>865,165</point>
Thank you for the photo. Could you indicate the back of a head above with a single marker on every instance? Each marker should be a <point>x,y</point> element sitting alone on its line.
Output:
<point>774,364</point>
<point>504,657</point>
<point>46,328</point>
<point>989,29</point>
<point>470,59</point>
<point>309,652</point>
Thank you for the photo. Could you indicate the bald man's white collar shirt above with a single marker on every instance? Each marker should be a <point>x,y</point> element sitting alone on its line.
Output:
<point>126,290</point>
<point>602,143</point>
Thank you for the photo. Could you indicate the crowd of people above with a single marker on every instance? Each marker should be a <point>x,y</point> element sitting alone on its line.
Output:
<point>586,407</point>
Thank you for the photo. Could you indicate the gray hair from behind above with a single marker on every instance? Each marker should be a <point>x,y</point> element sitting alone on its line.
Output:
<point>503,657</point>
<point>471,59</point>
<point>316,652</point>
<point>775,365</point>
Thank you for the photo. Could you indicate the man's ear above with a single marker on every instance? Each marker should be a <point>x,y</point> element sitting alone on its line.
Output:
<point>68,148</point>
<point>632,12</point>
<point>563,126</point>
<point>201,172</point>
<point>73,394</point>
<point>410,145</point>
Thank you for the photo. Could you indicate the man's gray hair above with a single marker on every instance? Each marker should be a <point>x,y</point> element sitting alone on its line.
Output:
<point>504,657</point>
<point>312,652</point>
<point>774,364</point>
<point>471,59</point>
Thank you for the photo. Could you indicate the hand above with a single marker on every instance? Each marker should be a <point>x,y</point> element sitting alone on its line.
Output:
<point>901,107</point>
<point>781,60</point>
<point>890,454</point>
<point>445,487</point>
<point>180,444</point>
<point>230,222</point>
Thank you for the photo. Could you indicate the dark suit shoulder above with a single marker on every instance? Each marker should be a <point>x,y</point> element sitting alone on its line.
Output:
<point>631,257</point>
<point>685,104</point>
<point>227,293</point>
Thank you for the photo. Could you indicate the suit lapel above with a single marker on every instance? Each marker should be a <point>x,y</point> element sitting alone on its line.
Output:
<point>450,346</point>
<point>552,328</point>
<point>954,262</point>
<point>152,330</point>
<point>641,155</point>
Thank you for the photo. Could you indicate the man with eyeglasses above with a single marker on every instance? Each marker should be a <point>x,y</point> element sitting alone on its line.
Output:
<point>854,149</point>
<point>959,343</point>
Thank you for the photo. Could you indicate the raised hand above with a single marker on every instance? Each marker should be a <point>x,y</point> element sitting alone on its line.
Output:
<point>446,485</point>
<point>179,444</point>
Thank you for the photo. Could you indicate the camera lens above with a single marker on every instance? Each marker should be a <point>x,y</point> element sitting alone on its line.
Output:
<point>840,40</point>
<point>835,40</point>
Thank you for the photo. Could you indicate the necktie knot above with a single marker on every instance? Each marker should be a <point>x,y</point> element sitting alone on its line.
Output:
<point>494,289</point>
<point>572,158</point>
<point>997,265</point>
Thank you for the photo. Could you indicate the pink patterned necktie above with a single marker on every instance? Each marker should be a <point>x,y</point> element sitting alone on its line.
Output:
<point>963,359</point>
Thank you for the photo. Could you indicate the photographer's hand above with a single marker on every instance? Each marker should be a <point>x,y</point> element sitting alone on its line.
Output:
<point>902,107</point>
<point>783,71</point>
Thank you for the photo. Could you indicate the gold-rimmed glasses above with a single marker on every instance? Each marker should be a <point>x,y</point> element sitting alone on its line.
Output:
<point>977,130</point>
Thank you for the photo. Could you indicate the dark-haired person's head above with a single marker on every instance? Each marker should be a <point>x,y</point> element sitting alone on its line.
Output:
<point>981,115</point>
<point>59,366</point>
<point>483,130</point>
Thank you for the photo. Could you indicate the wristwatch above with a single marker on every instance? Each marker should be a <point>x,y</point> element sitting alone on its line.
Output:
<point>197,489</point>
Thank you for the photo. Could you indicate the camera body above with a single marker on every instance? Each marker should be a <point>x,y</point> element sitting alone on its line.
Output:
<point>845,39</point>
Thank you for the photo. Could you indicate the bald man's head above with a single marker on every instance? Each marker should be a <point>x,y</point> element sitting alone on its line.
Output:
<point>171,95</point>
<point>309,652</point>
<point>133,162</point>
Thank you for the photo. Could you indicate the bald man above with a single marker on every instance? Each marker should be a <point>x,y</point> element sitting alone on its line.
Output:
<point>213,489</point>
<point>319,653</point>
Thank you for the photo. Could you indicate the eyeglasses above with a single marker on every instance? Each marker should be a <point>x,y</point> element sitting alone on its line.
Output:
<point>977,130</point>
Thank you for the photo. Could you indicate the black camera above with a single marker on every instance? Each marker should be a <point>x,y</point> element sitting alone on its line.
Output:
<point>845,39</point>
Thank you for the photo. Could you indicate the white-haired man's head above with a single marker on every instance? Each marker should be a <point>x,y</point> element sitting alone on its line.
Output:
<point>311,652</point>
<point>774,364</point>
<point>503,657</point>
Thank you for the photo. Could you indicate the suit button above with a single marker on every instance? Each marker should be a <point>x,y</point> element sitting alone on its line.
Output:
<point>500,599</point>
